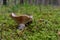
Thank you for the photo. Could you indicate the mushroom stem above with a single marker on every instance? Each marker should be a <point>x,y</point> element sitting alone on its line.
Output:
<point>21,26</point>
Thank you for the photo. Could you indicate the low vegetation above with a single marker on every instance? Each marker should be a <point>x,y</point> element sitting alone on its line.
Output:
<point>45,26</point>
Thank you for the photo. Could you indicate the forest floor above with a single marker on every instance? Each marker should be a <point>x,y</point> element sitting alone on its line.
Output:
<point>45,26</point>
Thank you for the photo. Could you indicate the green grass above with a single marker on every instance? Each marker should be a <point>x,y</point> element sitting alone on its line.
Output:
<point>43,30</point>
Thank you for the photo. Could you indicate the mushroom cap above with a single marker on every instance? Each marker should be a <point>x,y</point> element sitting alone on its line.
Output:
<point>22,19</point>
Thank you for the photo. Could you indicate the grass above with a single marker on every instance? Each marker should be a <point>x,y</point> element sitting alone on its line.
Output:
<point>45,29</point>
